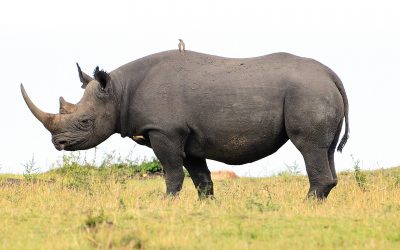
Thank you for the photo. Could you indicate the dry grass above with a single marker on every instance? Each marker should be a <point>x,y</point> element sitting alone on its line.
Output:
<point>267,213</point>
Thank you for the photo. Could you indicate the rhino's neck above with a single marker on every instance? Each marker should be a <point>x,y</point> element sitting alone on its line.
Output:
<point>118,88</point>
<point>127,79</point>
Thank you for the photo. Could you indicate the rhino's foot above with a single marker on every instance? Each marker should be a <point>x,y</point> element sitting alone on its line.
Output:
<point>205,189</point>
<point>170,196</point>
<point>206,197</point>
<point>203,195</point>
<point>321,191</point>
<point>173,189</point>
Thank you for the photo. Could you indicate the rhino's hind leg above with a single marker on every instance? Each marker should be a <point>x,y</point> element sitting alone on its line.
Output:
<point>319,161</point>
<point>317,158</point>
<point>201,176</point>
<point>313,116</point>
<point>169,150</point>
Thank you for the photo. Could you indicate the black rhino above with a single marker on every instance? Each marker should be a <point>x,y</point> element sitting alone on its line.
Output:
<point>193,107</point>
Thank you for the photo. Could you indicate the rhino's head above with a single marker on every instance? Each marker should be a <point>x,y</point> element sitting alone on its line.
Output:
<point>89,122</point>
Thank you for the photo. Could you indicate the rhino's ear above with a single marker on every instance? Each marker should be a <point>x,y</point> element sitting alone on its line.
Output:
<point>102,77</point>
<point>85,79</point>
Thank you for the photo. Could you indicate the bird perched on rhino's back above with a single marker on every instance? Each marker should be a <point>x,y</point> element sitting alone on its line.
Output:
<point>181,46</point>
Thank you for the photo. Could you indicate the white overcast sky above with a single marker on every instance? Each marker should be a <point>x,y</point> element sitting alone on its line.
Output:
<point>40,41</point>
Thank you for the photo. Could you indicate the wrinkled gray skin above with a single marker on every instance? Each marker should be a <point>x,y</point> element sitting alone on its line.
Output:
<point>194,107</point>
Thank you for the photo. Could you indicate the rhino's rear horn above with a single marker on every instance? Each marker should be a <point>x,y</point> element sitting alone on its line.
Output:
<point>66,107</point>
<point>46,119</point>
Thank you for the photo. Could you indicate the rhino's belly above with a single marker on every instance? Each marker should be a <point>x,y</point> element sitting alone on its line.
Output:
<point>237,149</point>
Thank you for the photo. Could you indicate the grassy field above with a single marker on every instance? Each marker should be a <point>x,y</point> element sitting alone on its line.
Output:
<point>82,208</point>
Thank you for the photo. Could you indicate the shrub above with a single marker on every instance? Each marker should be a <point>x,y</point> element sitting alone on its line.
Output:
<point>153,166</point>
<point>30,172</point>
<point>291,170</point>
<point>360,176</point>
<point>79,174</point>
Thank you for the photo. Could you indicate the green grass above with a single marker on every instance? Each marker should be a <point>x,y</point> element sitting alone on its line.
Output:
<point>114,209</point>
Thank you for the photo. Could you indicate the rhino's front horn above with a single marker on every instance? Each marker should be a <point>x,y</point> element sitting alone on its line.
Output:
<point>46,119</point>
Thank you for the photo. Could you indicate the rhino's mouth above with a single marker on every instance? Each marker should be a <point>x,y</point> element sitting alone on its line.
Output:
<point>67,143</point>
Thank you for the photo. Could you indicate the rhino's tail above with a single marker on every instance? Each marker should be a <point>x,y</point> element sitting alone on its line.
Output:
<point>340,87</point>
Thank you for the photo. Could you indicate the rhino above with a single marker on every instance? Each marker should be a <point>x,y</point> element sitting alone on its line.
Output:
<point>195,106</point>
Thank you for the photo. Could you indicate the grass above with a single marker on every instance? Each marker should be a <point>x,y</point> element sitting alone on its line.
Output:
<point>107,209</point>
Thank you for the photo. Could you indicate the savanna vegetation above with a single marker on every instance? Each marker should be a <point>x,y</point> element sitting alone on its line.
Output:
<point>121,205</point>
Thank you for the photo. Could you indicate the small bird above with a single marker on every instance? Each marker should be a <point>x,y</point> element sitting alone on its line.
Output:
<point>181,47</point>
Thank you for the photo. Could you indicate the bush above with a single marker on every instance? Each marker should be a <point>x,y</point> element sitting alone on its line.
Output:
<point>78,173</point>
<point>31,170</point>
<point>291,171</point>
<point>77,176</point>
<point>153,166</point>
<point>360,176</point>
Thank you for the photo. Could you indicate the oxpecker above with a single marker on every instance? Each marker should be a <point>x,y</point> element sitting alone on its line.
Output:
<point>181,47</point>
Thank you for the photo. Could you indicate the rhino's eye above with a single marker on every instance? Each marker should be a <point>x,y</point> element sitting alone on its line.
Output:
<point>86,123</point>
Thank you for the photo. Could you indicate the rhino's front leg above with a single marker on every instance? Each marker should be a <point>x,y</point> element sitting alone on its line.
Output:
<point>169,150</point>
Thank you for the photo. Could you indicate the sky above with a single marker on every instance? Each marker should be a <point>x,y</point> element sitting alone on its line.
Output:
<point>40,42</point>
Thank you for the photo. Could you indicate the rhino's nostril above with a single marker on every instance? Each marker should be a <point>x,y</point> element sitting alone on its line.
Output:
<point>62,142</point>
